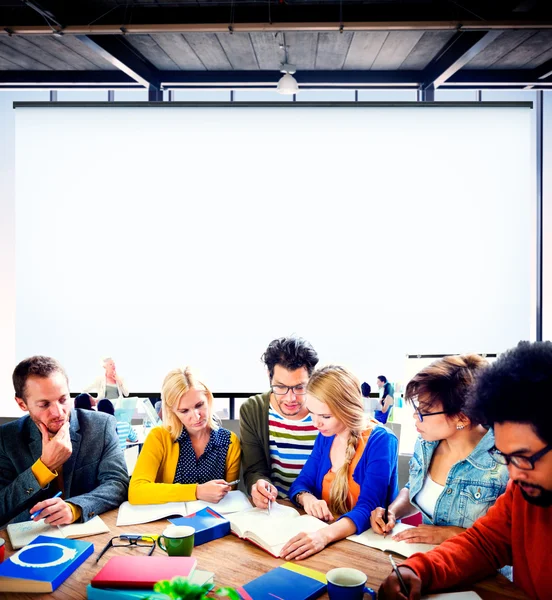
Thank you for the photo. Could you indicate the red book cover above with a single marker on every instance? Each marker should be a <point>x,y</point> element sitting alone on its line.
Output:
<point>142,572</point>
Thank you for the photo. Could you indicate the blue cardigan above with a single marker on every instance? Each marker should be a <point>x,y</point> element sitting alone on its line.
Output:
<point>375,473</point>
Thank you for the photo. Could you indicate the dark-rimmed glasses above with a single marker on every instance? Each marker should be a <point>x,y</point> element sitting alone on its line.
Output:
<point>421,415</point>
<point>526,463</point>
<point>128,540</point>
<point>282,390</point>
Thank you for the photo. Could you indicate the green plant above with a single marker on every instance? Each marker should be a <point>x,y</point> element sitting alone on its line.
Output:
<point>179,588</point>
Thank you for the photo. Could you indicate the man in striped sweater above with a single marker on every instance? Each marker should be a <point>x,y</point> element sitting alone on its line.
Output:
<point>276,430</point>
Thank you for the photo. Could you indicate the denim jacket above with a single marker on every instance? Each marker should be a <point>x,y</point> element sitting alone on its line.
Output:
<point>472,485</point>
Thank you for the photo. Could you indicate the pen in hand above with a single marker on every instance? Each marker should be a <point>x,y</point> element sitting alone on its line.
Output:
<point>235,482</point>
<point>399,576</point>
<point>39,511</point>
<point>385,518</point>
<point>267,487</point>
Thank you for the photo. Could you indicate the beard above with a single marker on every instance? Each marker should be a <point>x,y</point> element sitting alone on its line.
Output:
<point>544,499</point>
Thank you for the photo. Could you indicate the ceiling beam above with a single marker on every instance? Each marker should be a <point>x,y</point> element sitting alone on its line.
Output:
<point>127,59</point>
<point>67,78</point>
<point>345,78</point>
<point>544,71</point>
<point>495,77</point>
<point>459,51</point>
<point>250,25</point>
<point>467,79</point>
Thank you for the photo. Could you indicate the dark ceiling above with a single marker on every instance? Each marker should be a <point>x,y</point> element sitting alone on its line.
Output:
<point>236,43</point>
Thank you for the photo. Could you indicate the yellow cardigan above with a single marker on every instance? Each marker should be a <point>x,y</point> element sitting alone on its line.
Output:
<point>153,476</point>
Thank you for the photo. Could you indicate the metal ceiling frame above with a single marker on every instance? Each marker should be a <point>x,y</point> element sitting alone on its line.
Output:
<point>140,74</point>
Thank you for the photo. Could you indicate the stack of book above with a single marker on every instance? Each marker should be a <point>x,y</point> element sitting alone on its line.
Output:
<point>133,577</point>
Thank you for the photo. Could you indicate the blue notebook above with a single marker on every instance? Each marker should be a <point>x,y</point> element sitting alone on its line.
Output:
<point>287,582</point>
<point>208,525</point>
<point>43,565</point>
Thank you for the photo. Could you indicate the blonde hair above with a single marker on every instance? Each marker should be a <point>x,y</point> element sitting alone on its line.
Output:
<point>177,383</point>
<point>340,390</point>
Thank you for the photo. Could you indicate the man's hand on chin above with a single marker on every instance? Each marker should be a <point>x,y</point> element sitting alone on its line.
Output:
<point>57,450</point>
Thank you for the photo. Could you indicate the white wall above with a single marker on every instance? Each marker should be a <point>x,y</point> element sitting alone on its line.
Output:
<point>345,225</point>
<point>8,355</point>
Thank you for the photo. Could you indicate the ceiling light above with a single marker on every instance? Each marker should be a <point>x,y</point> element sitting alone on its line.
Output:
<point>287,84</point>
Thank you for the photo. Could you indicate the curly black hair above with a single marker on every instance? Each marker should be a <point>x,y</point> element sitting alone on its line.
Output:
<point>291,353</point>
<point>518,388</point>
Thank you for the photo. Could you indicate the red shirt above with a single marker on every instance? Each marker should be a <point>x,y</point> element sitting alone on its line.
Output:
<point>513,532</point>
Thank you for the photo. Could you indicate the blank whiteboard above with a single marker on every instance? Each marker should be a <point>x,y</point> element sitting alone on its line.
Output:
<point>190,234</point>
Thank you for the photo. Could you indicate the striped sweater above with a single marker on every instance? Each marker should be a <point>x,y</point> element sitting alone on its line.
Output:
<point>291,443</point>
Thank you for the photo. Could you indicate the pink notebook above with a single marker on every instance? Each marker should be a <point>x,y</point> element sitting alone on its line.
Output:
<point>142,572</point>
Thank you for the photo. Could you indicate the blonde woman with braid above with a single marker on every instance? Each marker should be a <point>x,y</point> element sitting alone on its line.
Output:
<point>352,468</point>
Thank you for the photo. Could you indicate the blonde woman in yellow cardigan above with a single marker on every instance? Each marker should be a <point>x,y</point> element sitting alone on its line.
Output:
<point>189,457</point>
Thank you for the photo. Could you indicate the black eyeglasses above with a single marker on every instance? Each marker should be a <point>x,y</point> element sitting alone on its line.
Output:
<point>526,463</point>
<point>421,415</point>
<point>282,390</point>
<point>128,540</point>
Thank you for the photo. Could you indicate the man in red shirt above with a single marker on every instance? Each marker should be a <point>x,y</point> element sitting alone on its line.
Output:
<point>514,396</point>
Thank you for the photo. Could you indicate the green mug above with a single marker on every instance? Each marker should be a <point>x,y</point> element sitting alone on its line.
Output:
<point>179,540</point>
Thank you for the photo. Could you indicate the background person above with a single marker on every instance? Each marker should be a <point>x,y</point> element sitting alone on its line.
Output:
<point>387,399</point>
<point>189,457</point>
<point>352,469</point>
<point>109,384</point>
<point>85,401</point>
<point>127,434</point>
<point>453,479</point>
<point>276,430</point>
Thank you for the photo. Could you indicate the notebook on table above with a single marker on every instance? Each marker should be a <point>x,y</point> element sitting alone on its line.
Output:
<point>134,514</point>
<point>21,534</point>
<point>43,565</point>
<point>198,577</point>
<point>142,572</point>
<point>272,531</point>
<point>289,581</point>
<point>373,540</point>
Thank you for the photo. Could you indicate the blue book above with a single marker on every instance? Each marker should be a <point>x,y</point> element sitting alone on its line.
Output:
<point>287,582</point>
<point>43,565</point>
<point>198,577</point>
<point>208,525</point>
<point>93,593</point>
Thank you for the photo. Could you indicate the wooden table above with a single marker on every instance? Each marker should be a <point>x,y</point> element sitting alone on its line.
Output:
<point>235,562</point>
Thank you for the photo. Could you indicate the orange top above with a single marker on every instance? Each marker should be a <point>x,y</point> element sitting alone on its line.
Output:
<point>354,488</point>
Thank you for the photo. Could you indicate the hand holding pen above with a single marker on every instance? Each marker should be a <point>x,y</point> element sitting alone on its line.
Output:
<point>263,493</point>
<point>401,584</point>
<point>57,511</point>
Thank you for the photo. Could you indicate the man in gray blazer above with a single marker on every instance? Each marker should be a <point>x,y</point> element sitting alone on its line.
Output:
<point>57,449</point>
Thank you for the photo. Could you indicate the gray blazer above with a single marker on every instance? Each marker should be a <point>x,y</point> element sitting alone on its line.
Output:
<point>95,477</point>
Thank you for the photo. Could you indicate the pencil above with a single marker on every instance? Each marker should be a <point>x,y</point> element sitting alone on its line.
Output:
<point>404,590</point>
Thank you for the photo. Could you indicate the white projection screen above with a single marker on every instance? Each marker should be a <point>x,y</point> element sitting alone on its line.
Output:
<point>190,234</point>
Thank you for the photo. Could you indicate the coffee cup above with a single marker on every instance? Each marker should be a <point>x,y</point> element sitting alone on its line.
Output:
<point>178,540</point>
<point>347,584</point>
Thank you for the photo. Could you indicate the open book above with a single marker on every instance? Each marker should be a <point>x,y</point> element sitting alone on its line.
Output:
<point>271,532</point>
<point>24,533</point>
<point>373,540</point>
<point>133,514</point>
